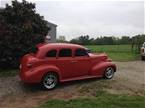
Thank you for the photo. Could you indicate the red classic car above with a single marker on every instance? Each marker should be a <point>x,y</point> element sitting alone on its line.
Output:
<point>59,62</point>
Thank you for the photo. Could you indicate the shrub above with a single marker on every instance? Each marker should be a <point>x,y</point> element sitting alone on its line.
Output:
<point>21,28</point>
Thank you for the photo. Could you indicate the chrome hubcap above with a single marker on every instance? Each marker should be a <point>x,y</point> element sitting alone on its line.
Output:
<point>50,81</point>
<point>109,72</point>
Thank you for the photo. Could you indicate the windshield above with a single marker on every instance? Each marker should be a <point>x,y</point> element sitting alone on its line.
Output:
<point>88,50</point>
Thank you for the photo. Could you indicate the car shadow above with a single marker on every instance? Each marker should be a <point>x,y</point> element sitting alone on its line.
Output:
<point>78,82</point>
<point>31,87</point>
<point>37,87</point>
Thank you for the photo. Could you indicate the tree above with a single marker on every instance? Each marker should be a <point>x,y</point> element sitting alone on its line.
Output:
<point>83,40</point>
<point>125,40</point>
<point>137,42</point>
<point>61,39</point>
<point>21,29</point>
<point>75,41</point>
<point>104,40</point>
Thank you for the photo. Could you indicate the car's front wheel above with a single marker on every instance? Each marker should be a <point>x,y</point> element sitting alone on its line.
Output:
<point>109,73</point>
<point>49,81</point>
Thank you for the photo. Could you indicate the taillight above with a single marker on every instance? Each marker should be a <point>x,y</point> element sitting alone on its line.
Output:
<point>20,66</point>
<point>31,62</point>
<point>29,65</point>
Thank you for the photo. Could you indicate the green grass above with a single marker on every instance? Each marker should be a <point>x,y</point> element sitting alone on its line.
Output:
<point>115,52</point>
<point>8,72</point>
<point>104,100</point>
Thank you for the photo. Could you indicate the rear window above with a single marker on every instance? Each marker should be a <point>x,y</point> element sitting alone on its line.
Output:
<point>51,53</point>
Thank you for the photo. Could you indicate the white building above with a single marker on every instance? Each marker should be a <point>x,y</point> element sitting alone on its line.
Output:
<point>51,37</point>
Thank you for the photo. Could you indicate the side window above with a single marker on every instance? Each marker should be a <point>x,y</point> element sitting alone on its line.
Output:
<point>51,53</point>
<point>81,52</point>
<point>65,53</point>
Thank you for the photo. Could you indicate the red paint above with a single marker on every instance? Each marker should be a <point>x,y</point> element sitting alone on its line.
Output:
<point>35,66</point>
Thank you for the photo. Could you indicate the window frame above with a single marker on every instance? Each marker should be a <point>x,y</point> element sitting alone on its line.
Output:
<point>87,55</point>
<point>49,51</point>
<point>66,56</point>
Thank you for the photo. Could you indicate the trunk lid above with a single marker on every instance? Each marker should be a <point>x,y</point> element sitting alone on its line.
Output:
<point>26,59</point>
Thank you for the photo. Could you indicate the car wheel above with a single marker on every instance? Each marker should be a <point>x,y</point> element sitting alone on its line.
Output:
<point>49,81</point>
<point>109,73</point>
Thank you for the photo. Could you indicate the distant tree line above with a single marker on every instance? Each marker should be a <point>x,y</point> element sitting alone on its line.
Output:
<point>135,41</point>
<point>111,40</point>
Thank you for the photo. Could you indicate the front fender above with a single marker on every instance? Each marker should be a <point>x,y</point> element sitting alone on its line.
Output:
<point>99,68</point>
<point>35,75</point>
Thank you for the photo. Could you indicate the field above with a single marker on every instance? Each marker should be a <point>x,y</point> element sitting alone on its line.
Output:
<point>102,101</point>
<point>115,52</point>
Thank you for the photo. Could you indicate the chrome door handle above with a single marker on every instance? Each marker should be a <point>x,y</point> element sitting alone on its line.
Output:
<point>74,61</point>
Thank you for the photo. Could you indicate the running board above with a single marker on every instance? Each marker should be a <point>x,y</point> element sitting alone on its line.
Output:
<point>80,78</point>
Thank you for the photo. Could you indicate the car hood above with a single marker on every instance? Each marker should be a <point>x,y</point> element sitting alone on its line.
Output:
<point>98,57</point>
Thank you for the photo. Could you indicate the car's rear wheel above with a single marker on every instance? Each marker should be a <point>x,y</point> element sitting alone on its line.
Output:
<point>109,73</point>
<point>49,81</point>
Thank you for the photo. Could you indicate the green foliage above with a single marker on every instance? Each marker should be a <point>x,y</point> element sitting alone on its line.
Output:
<point>8,73</point>
<point>104,100</point>
<point>104,41</point>
<point>61,39</point>
<point>21,29</point>
<point>137,42</point>
<point>111,40</point>
<point>83,40</point>
<point>125,40</point>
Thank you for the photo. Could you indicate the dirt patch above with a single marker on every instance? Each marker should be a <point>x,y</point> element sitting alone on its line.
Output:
<point>129,79</point>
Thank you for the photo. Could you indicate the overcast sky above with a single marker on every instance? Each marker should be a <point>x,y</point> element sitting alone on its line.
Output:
<point>94,18</point>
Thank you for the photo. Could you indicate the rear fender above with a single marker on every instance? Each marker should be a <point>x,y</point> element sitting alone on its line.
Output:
<point>38,73</point>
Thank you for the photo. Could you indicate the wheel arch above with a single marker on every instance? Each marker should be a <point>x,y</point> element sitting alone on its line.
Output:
<point>39,72</point>
<point>114,67</point>
<point>100,68</point>
<point>54,72</point>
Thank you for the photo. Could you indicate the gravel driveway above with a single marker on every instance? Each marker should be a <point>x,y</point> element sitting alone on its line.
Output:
<point>129,79</point>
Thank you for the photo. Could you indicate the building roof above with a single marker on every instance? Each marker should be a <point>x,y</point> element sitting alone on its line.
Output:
<point>1,9</point>
<point>49,23</point>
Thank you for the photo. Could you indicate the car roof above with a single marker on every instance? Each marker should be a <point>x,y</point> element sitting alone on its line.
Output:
<point>60,45</point>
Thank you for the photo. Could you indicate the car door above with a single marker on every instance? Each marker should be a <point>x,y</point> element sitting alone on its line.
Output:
<point>82,62</point>
<point>65,64</point>
<point>49,58</point>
